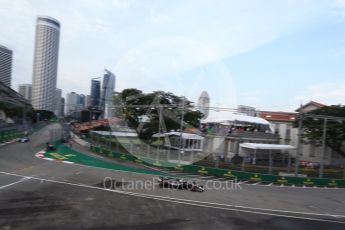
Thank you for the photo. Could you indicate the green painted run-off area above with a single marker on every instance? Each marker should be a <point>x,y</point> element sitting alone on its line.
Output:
<point>64,153</point>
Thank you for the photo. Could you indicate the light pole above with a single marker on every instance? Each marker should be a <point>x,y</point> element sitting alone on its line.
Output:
<point>324,148</point>
<point>299,145</point>
<point>160,127</point>
<point>326,119</point>
<point>181,130</point>
<point>38,117</point>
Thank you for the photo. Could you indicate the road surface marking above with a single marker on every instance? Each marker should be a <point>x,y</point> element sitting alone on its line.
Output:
<point>206,177</point>
<point>228,207</point>
<point>17,182</point>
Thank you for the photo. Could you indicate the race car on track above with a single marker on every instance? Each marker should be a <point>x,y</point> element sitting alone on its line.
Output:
<point>23,140</point>
<point>50,147</point>
<point>176,183</point>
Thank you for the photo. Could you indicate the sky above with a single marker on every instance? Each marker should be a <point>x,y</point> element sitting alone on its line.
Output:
<point>272,55</point>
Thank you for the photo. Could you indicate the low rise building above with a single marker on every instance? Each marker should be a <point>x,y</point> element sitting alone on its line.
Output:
<point>282,123</point>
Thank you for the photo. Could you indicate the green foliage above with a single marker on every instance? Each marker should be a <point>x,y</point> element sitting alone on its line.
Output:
<point>313,128</point>
<point>44,114</point>
<point>133,105</point>
<point>11,111</point>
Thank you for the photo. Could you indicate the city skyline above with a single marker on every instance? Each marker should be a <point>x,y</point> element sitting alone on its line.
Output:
<point>258,49</point>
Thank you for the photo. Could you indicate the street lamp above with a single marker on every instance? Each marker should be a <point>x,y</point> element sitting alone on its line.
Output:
<point>181,130</point>
<point>322,163</point>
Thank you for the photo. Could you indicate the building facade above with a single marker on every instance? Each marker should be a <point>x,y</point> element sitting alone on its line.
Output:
<point>72,102</point>
<point>82,100</point>
<point>45,63</point>
<point>246,110</point>
<point>87,101</point>
<point>25,90</point>
<point>75,103</point>
<point>57,104</point>
<point>107,93</point>
<point>95,93</point>
<point>204,104</point>
<point>62,108</point>
<point>6,57</point>
<point>283,125</point>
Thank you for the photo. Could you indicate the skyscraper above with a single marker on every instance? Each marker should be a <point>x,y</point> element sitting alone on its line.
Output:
<point>72,103</point>
<point>107,93</point>
<point>57,103</point>
<point>25,90</point>
<point>87,101</point>
<point>82,100</point>
<point>5,65</point>
<point>75,102</point>
<point>95,93</point>
<point>204,104</point>
<point>45,63</point>
<point>62,109</point>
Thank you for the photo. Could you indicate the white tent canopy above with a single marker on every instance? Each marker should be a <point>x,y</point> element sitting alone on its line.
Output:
<point>226,117</point>
<point>256,147</point>
<point>267,146</point>
<point>117,134</point>
<point>184,135</point>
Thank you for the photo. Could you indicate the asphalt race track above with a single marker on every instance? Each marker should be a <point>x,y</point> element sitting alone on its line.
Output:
<point>40,194</point>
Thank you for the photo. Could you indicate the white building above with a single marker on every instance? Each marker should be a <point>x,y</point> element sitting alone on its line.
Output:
<point>5,65</point>
<point>87,101</point>
<point>282,124</point>
<point>45,63</point>
<point>72,101</point>
<point>25,90</point>
<point>204,104</point>
<point>57,104</point>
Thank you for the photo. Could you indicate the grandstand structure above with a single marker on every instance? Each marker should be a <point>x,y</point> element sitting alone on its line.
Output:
<point>10,100</point>
<point>8,95</point>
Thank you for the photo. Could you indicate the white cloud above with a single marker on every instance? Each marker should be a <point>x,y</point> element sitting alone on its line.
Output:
<point>327,93</point>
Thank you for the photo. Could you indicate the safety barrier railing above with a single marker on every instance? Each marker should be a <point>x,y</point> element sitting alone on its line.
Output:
<point>224,173</point>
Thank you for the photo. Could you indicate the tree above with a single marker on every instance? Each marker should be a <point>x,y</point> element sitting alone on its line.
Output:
<point>44,114</point>
<point>136,106</point>
<point>313,128</point>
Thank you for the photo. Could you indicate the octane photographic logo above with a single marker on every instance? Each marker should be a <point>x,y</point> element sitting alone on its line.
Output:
<point>185,67</point>
<point>153,184</point>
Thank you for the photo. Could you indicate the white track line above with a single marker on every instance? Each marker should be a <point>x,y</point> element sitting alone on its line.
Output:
<point>17,182</point>
<point>229,207</point>
<point>206,177</point>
